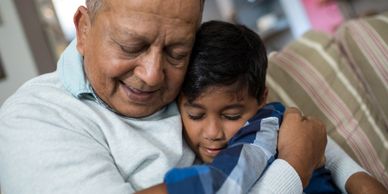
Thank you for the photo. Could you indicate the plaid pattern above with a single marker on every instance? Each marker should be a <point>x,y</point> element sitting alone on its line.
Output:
<point>240,165</point>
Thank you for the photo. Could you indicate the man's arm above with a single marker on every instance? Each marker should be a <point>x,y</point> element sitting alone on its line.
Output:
<point>347,174</point>
<point>301,146</point>
<point>361,182</point>
<point>302,142</point>
<point>157,189</point>
<point>343,168</point>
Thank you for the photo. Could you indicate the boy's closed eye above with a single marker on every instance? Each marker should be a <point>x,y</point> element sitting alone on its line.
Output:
<point>232,117</point>
<point>196,117</point>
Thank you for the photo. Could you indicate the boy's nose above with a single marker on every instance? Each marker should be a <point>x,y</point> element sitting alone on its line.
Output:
<point>213,131</point>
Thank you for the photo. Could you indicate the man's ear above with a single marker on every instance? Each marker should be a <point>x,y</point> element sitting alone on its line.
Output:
<point>82,25</point>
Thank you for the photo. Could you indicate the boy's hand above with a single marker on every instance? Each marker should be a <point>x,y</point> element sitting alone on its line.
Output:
<point>302,142</point>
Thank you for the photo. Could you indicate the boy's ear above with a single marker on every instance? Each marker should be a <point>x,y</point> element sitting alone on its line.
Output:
<point>264,97</point>
<point>82,25</point>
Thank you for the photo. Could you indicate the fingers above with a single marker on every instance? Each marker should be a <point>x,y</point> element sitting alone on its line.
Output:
<point>322,162</point>
<point>317,123</point>
<point>293,114</point>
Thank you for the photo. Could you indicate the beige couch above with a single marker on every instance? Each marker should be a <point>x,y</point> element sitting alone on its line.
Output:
<point>342,79</point>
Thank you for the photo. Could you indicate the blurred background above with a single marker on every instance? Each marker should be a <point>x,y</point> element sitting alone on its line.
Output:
<point>33,33</point>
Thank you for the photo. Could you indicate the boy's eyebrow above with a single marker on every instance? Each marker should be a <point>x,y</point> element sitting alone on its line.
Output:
<point>194,105</point>
<point>233,106</point>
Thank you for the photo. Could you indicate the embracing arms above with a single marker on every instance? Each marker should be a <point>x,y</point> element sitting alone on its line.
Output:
<point>301,146</point>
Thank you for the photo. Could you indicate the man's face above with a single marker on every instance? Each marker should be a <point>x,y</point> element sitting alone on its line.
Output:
<point>212,119</point>
<point>136,51</point>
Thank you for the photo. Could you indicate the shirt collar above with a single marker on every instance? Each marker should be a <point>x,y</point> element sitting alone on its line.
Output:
<point>71,73</point>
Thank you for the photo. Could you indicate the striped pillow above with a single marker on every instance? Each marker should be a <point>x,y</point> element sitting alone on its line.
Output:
<point>365,42</point>
<point>310,73</point>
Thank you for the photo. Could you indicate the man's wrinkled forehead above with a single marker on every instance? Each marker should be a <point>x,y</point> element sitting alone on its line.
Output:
<point>190,11</point>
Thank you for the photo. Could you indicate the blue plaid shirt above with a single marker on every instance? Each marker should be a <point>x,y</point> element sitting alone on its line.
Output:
<point>240,165</point>
<point>237,168</point>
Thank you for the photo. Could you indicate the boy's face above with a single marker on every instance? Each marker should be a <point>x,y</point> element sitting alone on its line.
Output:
<point>214,117</point>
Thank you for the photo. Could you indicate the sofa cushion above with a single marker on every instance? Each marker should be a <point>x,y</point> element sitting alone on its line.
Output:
<point>310,73</point>
<point>365,44</point>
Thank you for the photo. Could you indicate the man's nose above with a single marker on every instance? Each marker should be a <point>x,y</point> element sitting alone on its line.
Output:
<point>213,131</point>
<point>151,69</point>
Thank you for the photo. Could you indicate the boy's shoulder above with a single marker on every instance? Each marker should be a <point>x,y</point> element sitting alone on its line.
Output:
<point>273,109</point>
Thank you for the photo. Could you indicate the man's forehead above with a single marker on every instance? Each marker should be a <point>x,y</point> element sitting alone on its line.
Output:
<point>189,11</point>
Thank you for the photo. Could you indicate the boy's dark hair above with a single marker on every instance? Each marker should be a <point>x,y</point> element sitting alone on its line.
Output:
<point>226,54</point>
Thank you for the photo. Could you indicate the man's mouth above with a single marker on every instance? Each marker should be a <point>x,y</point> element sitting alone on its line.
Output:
<point>138,95</point>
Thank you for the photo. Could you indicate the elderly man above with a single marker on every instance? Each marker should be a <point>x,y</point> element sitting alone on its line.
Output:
<point>106,122</point>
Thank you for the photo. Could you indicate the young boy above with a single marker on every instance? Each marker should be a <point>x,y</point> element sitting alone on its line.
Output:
<point>227,122</point>
<point>225,89</point>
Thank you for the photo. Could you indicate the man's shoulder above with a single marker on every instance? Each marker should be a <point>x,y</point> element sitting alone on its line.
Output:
<point>45,82</point>
<point>43,88</point>
<point>42,97</point>
<point>43,105</point>
<point>48,81</point>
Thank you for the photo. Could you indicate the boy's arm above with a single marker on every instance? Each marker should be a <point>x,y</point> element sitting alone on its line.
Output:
<point>238,167</point>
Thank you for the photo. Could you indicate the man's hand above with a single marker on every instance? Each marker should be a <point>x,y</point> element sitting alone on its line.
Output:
<point>302,142</point>
<point>363,183</point>
<point>157,189</point>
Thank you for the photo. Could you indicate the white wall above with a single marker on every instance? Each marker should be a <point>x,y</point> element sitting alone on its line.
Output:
<point>65,11</point>
<point>296,16</point>
<point>18,62</point>
<point>226,9</point>
<point>211,11</point>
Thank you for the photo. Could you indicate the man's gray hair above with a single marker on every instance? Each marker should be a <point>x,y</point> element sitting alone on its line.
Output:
<point>95,5</point>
